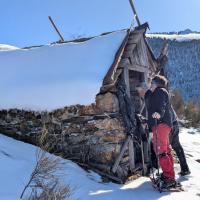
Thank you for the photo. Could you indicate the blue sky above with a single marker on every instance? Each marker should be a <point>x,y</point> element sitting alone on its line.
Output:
<point>25,22</point>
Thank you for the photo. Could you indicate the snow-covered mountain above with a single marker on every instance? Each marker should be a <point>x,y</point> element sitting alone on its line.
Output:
<point>5,47</point>
<point>186,31</point>
<point>183,67</point>
<point>18,160</point>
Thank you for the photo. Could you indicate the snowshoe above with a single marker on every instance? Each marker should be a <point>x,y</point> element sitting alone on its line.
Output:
<point>166,186</point>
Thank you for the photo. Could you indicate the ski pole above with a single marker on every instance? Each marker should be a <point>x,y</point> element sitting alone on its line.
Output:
<point>151,163</point>
<point>157,155</point>
<point>143,164</point>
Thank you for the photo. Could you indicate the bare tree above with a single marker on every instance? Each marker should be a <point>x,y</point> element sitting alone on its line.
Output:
<point>44,181</point>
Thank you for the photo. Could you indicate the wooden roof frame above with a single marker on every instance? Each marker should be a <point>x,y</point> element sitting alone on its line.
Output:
<point>125,50</point>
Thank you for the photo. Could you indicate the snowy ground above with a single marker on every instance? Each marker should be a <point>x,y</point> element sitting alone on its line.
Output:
<point>17,161</point>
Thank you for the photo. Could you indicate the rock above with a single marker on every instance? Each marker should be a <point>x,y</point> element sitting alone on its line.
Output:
<point>104,153</point>
<point>109,124</point>
<point>75,139</point>
<point>88,110</point>
<point>113,136</point>
<point>107,102</point>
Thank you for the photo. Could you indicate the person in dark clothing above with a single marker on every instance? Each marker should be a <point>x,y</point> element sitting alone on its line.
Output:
<point>176,145</point>
<point>174,136</point>
<point>160,122</point>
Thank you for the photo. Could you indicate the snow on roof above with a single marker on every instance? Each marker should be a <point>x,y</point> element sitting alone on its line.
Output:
<point>177,37</point>
<point>53,76</point>
<point>5,47</point>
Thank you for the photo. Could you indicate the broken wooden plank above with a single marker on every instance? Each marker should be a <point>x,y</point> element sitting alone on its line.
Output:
<point>52,22</point>
<point>124,147</point>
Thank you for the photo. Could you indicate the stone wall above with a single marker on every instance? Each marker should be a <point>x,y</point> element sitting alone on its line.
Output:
<point>90,134</point>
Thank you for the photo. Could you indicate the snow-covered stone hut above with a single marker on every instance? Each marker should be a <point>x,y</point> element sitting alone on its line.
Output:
<point>83,94</point>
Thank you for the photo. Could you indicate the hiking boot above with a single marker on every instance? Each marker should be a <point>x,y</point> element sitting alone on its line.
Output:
<point>184,172</point>
<point>165,182</point>
<point>168,183</point>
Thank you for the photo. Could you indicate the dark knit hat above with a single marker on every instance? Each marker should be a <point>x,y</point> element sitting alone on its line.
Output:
<point>160,80</point>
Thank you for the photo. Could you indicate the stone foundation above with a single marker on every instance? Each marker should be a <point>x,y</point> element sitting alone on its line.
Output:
<point>86,134</point>
<point>89,135</point>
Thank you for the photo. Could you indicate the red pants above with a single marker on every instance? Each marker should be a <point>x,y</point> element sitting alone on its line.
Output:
<point>163,150</point>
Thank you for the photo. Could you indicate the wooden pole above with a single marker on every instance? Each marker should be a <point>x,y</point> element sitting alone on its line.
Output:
<point>165,47</point>
<point>124,147</point>
<point>126,79</point>
<point>134,12</point>
<point>144,171</point>
<point>131,155</point>
<point>52,22</point>
<point>162,59</point>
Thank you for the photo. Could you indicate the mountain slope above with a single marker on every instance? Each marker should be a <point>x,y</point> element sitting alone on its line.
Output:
<point>183,67</point>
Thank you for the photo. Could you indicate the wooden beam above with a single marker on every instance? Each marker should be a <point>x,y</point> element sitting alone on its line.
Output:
<point>130,47</point>
<point>120,173</point>
<point>126,79</point>
<point>139,68</point>
<point>114,178</point>
<point>124,62</point>
<point>127,54</point>
<point>164,50</point>
<point>134,12</point>
<point>52,22</point>
<point>131,155</point>
<point>134,40</point>
<point>162,59</point>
